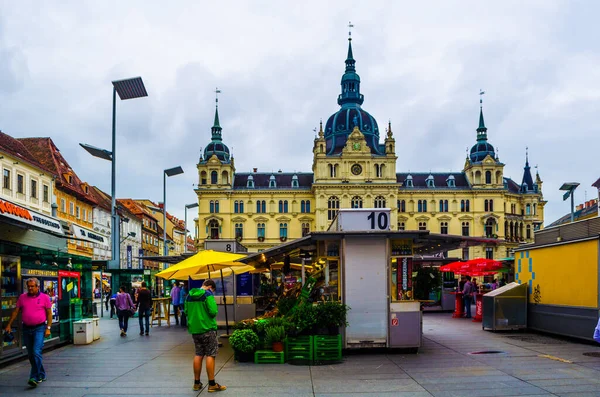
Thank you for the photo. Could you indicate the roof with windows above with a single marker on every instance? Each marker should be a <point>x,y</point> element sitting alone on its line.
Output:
<point>283,180</point>
<point>439,179</point>
<point>512,186</point>
<point>16,148</point>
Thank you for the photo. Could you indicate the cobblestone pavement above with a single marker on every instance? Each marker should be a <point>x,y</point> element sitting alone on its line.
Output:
<point>161,365</point>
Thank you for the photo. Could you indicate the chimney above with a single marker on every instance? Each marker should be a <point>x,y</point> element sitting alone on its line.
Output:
<point>255,169</point>
<point>579,207</point>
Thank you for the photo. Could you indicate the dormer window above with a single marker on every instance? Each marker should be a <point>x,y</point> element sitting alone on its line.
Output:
<point>295,181</point>
<point>429,181</point>
<point>68,177</point>
<point>451,182</point>
<point>409,181</point>
<point>250,182</point>
<point>272,182</point>
<point>85,188</point>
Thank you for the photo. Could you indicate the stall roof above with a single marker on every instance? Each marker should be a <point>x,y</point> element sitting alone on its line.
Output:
<point>424,242</point>
<point>172,259</point>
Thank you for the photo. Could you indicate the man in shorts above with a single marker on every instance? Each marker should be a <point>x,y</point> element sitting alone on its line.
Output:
<point>201,311</point>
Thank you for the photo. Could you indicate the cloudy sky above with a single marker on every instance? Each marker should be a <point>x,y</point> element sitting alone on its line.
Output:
<point>279,65</point>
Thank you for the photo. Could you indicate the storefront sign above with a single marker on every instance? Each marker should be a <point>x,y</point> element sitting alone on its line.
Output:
<point>29,217</point>
<point>129,256</point>
<point>67,273</point>
<point>362,219</point>
<point>89,235</point>
<point>140,260</point>
<point>244,284</point>
<point>39,272</point>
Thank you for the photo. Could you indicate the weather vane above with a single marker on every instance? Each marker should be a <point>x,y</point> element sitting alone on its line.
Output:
<point>481,93</point>
<point>350,26</point>
<point>217,92</point>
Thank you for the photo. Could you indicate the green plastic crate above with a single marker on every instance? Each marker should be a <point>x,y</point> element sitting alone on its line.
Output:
<point>268,357</point>
<point>327,341</point>
<point>299,348</point>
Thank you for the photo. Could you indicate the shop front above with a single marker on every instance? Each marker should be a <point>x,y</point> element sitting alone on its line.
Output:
<point>370,268</point>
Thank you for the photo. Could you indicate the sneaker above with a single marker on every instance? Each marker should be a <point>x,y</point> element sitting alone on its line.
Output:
<point>197,386</point>
<point>216,387</point>
<point>42,380</point>
<point>146,333</point>
<point>32,382</point>
<point>141,333</point>
<point>122,333</point>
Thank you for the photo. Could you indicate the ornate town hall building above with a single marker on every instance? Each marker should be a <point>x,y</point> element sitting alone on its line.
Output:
<point>353,168</point>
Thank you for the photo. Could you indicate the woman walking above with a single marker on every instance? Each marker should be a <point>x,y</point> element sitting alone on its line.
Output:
<point>125,308</point>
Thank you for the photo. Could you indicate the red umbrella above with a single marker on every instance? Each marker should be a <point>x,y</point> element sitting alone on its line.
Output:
<point>478,266</point>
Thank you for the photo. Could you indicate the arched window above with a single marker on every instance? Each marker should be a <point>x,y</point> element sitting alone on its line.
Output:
<point>213,177</point>
<point>464,206</point>
<point>250,182</point>
<point>241,207</point>
<point>528,232</point>
<point>491,205</point>
<point>357,202</point>
<point>283,206</point>
<point>305,206</point>
<point>430,181</point>
<point>488,177</point>
<point>401,226</point>
<point>261,206</point>
<point>444,228</point>
<point>401,205</point>
<point>224,177</point>
<point>465,228</point>
<point>305,229</point>
<point>333,205</point>
<point>332,169</point>
<point>528,209</point>
<point>409,181</point>
<point>379,202</point>
<point>534,209</point>
<point>283,229</point>
<point>477,177</point>
<point>203,178</point>
<point>295,181</point>
<point>422,225</point>
<point>490,227</point>
<point>239,230</point>
<point>236,207</point>
<point>260,230</point>
<point>213,229</point>
<point>214,206</point>
<point>443,205</point>
<point>377,171</point>
<point>272,182</point>
<point>422,206</point>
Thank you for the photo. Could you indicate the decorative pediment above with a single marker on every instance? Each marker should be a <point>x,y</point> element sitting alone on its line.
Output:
<point>489,160</point>
<point>261,219</point>
<point>305,219</point>
<point>213,217</point>
<point>214,160</point>
<point>283,219</point>
<point>356,143</point>
<point>238,219</point>
<point>465,218</point>
<point>422,218</point>
<point>444,218</point>
<point>485,217</point>
<point>402,218</point>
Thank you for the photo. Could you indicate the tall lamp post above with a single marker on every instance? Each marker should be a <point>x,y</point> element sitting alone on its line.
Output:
<point>570,187</point>
<point>188,206</point>
<point>127,89</point>
<point>168,172</point>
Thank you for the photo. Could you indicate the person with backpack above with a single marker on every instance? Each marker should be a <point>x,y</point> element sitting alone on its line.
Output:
<point>468,296</point>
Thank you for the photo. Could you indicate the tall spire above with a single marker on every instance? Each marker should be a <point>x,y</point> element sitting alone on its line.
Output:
<point>350,95</point>
<point>216,128</point>
<point>481,130</point>
<point>527,183</point>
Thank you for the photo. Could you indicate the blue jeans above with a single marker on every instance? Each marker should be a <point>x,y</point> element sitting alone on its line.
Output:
<point>34,341</point>
<point>123,316</point>
<point>468,306</point>
<point>144,315</point>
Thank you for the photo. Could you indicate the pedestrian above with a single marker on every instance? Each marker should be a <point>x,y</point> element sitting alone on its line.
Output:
<point>144,300</point>
<point>175,301</point>
<point>201,310</point>
<point>106,298</point>
<point>125,309</point>
<point>183,293</point>
<point>597,332</point>
<point>494,285</point>
<point>36,314</point>
<point>467,296</point>
<point>113,307</point>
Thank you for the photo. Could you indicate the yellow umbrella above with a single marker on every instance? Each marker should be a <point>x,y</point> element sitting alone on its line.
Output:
<point>227,271</point>
<point>200,263</point>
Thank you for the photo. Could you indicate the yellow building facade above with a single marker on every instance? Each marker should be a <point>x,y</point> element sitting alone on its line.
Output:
<point>354,168</point>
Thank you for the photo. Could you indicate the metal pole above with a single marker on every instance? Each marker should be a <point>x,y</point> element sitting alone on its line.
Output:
<point>225,305</point>
<point>165,251</point>
<point>113,199</point>
<point>572,205</point>
<point>185,239</point>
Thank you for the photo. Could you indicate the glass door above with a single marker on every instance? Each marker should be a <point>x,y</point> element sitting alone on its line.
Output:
<point>10,270</point>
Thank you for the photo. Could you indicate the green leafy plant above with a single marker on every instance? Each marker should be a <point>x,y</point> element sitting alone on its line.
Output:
<point>275,334</point>
<point>244,340</point>
<point>331,314</point>
<point>303,318</point>
<point>285,304</point>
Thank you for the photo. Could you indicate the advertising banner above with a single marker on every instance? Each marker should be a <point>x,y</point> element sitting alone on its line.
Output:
<point>140,260</point>
<point>129,256</point>
<point>16,212</point>
<point>90,235</point>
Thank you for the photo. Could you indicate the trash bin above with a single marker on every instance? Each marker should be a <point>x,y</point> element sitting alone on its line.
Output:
<point>505,308</point>
<point>83,333</point>
<point>96,327</point>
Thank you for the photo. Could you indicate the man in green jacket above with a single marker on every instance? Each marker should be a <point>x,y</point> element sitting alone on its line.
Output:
<point>201,311</point>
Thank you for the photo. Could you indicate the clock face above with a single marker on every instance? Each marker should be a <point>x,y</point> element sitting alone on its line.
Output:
<point>356,169</point>
<point>356,146</point>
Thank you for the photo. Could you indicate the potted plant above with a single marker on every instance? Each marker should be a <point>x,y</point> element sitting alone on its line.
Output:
<point>303,318</point>
<point>244,342</point>
<point>261,238</point>
<point>330,317</point>
<point>283,238</point>
<point>274,336</point>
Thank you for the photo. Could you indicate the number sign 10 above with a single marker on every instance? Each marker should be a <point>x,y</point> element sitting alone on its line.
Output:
<point>381,223</point>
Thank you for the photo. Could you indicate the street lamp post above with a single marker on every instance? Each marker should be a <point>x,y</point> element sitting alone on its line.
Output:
<point>570,187</point>
<point>127,89</point>
<point>168,172</point>
<point>188,206</point>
